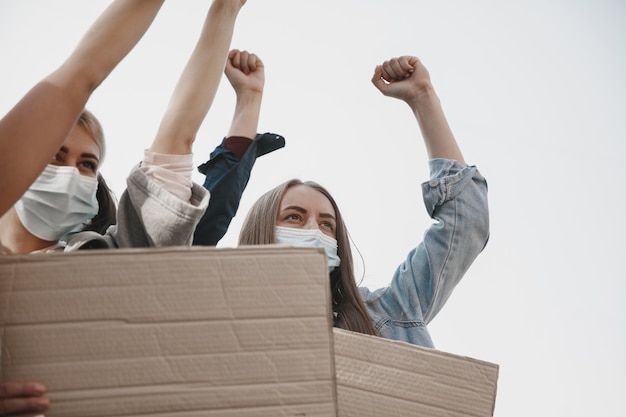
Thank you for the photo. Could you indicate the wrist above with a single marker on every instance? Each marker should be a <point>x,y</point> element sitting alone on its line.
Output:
<point>226,6</point>
<point>249,97</point>
<point>424,95</point>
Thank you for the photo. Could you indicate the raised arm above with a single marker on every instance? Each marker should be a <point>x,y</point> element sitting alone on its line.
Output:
<point>199,81</point>
<point>229,169</point>
<point>33,130</point>
<point>455,197</point>
<point>246,73</point>
<point>168,164</point>
<point>405,78</point>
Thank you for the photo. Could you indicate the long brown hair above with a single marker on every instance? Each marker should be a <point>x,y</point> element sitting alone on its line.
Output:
<point>259,228</point>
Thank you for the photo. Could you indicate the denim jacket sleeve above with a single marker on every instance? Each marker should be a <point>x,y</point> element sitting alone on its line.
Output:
<point>226,179</point>
<point>456,198</point>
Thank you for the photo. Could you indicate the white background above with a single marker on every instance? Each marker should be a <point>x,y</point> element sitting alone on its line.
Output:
<point>535,94</point>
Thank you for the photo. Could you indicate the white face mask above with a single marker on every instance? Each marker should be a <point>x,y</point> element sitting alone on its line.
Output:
<point>58,202</point>
<point>310,238</point>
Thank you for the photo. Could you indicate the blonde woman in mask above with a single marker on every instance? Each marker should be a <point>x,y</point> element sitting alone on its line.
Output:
<point>32,132</point>
<point>63,198</point>
<point>305,214</point>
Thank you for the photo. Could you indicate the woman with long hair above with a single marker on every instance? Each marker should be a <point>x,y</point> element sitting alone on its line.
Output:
<point>305,214</point>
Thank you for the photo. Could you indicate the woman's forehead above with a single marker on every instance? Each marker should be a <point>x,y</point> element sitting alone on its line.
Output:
<point>80,141</point>
<point>306,197</point>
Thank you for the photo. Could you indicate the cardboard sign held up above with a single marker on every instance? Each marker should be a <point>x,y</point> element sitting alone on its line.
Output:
<point>177,331</point>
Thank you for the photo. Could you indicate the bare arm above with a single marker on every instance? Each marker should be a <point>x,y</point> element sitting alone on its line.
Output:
<point>36,127</point>
<point>246,74</point>
<point>405,78</point>
<point>199,81</point>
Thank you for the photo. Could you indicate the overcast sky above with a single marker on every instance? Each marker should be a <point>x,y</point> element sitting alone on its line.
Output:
<point>535,94</point>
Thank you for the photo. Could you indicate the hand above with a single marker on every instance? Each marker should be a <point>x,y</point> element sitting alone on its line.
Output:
<point>25,399</point>
<point>245,72</point>
<point>404,78</point>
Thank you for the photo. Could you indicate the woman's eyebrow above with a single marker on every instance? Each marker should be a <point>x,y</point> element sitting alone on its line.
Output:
<point>89,155</point>
<point>328,216</point>
<point>296,208</point>
<point>303,210</point>
<point>83,155</point>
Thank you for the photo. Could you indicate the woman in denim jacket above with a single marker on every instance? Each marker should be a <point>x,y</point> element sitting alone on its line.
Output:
<point>305,214</point>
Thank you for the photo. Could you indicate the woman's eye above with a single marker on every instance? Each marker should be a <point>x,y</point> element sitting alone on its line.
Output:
<point>90,165</point>
<point>327,225</point>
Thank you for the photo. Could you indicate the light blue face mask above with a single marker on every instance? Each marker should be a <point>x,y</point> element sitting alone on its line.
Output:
<point>309,238</point>
<point>60,200</point>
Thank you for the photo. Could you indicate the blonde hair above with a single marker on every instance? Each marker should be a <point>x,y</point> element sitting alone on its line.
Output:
<point>107,203</point>
<point>92,125</point>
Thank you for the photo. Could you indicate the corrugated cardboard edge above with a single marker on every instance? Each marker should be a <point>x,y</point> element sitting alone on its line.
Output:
<point>371,354</point>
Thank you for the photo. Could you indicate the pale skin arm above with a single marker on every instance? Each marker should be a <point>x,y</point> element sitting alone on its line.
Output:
<point>405,78</point>
<point>35,128</point>
<point>197,85</point>
<point>246,74</point>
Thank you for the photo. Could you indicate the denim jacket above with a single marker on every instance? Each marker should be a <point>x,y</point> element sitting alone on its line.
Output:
<point>456,198</point>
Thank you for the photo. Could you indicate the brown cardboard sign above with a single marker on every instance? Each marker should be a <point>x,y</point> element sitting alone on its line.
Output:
<point>172,331</point>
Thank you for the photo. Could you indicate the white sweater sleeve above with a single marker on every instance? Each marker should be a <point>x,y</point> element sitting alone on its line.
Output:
<point>172,172</point>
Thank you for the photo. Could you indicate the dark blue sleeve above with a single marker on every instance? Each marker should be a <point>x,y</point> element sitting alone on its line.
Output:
<point>226,179</point>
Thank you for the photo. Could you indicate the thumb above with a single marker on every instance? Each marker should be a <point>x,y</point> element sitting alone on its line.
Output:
<point>377,79</point>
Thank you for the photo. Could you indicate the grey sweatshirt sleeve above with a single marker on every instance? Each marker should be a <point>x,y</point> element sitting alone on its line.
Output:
<point>148,215</point>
